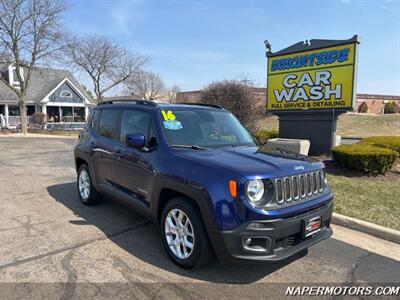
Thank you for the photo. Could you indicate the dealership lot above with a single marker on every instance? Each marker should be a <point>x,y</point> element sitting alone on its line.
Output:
<point>47,236</point>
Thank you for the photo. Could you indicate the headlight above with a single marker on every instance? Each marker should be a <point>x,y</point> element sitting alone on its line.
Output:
<point>255,191</point>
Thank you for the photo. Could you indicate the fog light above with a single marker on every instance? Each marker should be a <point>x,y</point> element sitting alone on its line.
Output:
<point>247,242</point>
<point>256,244</point>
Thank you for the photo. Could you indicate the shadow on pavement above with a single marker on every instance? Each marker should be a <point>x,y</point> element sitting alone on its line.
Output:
<point>141,238</point>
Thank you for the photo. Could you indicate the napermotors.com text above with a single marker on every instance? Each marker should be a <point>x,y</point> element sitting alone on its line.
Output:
<point>343,291</point>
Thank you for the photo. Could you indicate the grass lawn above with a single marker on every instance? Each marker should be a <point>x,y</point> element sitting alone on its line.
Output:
<point>360,125</point>
<point>372,199</point>
<point>364,125</point>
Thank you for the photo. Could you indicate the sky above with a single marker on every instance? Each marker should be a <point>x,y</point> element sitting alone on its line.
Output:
<point>192,43</point>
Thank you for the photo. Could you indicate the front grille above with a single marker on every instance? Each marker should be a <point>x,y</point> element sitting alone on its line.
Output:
<point>298,187</point>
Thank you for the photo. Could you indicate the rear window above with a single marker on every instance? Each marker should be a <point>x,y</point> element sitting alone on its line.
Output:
<point>108,124</point>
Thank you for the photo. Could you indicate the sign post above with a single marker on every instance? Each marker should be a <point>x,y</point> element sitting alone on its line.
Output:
<point>309,85</point>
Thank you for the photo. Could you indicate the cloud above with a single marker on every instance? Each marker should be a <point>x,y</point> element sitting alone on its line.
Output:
<point>127,15</point>
<point>346,1</point>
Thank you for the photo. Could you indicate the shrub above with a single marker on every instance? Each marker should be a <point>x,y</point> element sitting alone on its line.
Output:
<point>264,135</point>
<point>236,97</point>
<point>39,118</point>
<point>363,108</point>
<point>388,142</point>
<point>391,108</point>
<point>364,157</point>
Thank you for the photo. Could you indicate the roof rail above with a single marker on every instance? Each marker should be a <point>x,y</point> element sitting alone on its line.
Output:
<point>203,104</point>
<point>130,101</point>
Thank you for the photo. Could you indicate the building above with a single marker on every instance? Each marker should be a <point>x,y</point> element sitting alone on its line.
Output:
<point>376,103</point>
<point>54,92</point>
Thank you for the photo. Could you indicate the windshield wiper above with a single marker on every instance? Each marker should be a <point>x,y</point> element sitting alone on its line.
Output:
<point>195,147</point>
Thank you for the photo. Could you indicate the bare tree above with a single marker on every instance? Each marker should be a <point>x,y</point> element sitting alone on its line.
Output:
<point>146,85</point>
<point>29,32</point>
<point>172,93</point>
<point>107,63</point>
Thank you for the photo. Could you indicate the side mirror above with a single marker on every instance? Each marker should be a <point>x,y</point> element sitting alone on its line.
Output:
<point>135,140</point>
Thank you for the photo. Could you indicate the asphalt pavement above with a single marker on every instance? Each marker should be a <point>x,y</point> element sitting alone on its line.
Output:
<point>51,245</point>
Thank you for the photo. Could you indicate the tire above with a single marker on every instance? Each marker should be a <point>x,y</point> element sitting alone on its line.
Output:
<point>90,196</point>
<point>201,252</point>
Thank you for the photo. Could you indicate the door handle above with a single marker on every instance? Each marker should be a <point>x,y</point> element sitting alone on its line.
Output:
<point>95,149</point>
<point>92,146</point>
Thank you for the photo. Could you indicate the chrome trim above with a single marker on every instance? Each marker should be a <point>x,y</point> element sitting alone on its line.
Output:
<point>321,180</point>
<point>278,189</point>
<point>287,198</point>
<point>297,189</point>
<point>315,182</point>
<point>102,151</point>
<point>300,186</point>
<point>309,187</point>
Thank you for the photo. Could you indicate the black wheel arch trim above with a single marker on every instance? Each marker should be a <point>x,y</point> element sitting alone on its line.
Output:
<point>198,194</point>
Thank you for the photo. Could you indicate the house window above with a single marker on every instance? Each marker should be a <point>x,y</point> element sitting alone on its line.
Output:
<point>53,114</point>
<point>14,77</point>
<point>66,114</point>
<point>66,93</point>
<point>79,114</point>
<point>13,111</point>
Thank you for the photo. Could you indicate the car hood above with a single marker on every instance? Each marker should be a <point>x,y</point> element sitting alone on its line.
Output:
<point>252,162</point>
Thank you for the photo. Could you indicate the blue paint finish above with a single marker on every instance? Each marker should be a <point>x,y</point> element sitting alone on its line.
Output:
<point>203,175</point>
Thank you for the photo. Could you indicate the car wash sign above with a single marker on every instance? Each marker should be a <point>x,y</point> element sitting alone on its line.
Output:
<point>318,75</point>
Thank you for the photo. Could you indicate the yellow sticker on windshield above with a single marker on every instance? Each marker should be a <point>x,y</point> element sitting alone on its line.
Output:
<point>168,115</point>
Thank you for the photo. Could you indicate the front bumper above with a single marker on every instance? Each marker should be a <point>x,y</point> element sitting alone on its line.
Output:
<point>283,237</point>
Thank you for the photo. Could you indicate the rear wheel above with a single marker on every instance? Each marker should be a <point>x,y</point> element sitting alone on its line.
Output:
<point>184,235</point>
<point>87,192</point>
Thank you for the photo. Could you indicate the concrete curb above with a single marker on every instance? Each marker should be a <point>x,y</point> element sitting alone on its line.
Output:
<point>38,135</point>
<point>367,227</point>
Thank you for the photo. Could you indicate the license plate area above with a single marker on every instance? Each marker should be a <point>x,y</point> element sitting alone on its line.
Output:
<point>311,226</point>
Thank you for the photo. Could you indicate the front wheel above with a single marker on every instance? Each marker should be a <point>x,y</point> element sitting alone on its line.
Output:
<point>184,236</point>
<point>86,190</point>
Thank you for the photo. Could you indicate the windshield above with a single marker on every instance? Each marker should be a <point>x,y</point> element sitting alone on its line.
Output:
<point>204,128</point>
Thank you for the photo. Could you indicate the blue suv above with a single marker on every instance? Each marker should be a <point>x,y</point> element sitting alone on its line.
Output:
<point>198,173</point>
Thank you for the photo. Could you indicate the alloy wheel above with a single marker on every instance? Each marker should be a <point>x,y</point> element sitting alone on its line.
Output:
<point>84,184</point>
<point>179,233</point>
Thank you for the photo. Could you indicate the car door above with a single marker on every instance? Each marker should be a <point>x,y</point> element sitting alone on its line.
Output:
<point>102,147</point>
<point>133,170</point>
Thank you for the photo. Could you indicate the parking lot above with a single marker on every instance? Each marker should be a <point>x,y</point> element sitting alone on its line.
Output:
<point>53,243</point>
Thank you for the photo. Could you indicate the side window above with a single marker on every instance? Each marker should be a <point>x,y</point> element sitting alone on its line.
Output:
<point>108,124</point>
<point>134,121</point>
<point>95,119</point>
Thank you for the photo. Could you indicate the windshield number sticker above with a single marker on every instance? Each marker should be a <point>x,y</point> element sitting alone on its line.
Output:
<point>170,121</point>
<point>168,115</point>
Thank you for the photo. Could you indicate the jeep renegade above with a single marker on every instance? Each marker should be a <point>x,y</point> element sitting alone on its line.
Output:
<point>198,173</point>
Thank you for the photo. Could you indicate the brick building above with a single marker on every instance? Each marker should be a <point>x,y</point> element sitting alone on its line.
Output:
<point>375,103</point>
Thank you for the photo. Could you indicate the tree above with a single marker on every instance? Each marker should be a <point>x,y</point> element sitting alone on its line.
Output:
<point>107,63</point>
<point>29,33</point>
<point>172,93</point>
<point>146,85</point>
<point>363,108</point>
<point>236,97</point>
<point>391,108</point>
